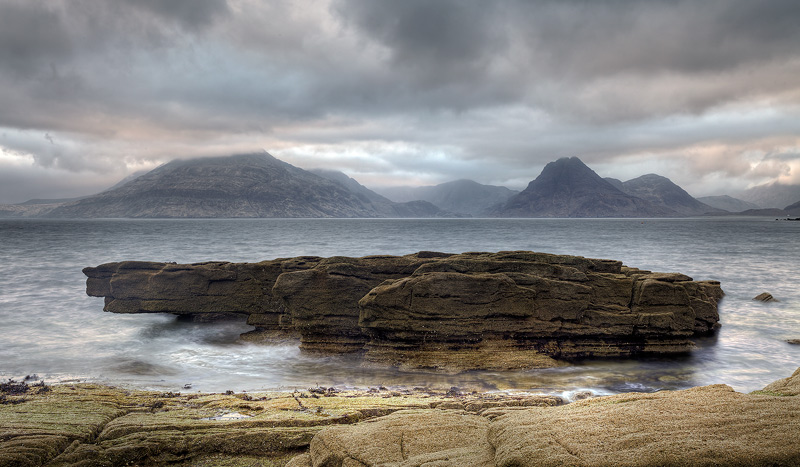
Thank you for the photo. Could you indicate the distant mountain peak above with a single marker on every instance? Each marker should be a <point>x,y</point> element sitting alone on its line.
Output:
<point>243,185</point>
<point>661,191</point>
<point>463,196</point>
<point>569,188</point>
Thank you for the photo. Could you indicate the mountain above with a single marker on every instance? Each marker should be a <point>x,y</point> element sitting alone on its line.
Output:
<point>465,197</point>
<point>245,185</point>
<point>618,184</point>
<point>771,195</point>
<point>381,204</point>
<point>661,191</point>
<point>793,209</point>
<point>727,203</point>
<point>568,188</point>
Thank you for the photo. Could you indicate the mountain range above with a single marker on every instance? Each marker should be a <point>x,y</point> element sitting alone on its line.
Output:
<point>771,195</point>
<point>246,185</point>
<point>727,203</point>
<point>259,185</point>
<point>465,197</point>
<point>569,188</point>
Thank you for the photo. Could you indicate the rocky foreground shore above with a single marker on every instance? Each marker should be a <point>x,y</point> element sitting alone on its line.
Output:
<point>453,312</point>
<point>91,425</point>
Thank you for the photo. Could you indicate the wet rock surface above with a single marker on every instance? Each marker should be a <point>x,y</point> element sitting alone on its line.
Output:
<point>452,312</point>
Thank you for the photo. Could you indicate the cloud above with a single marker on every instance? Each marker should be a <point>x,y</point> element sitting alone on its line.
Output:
<point>192,14</point>
<point>429,91</point>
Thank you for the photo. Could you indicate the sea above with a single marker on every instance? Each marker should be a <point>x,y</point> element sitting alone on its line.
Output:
<point>51,330</point>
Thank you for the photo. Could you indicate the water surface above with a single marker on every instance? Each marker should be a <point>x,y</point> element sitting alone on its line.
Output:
<point>51,328</point>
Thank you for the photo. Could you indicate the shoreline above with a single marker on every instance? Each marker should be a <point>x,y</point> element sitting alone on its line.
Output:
<point>91,424</point>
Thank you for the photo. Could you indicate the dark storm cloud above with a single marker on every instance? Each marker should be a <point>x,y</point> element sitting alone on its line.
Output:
<point>189,13</point>
<point>31,36</point>
<point>444,35</point>
<point>591,60</point>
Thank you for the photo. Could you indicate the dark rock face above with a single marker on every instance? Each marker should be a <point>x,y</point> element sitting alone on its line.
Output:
<point>196,289</point>
<point>568,188</point>
<point>474,310</point>
<point>247,185</point>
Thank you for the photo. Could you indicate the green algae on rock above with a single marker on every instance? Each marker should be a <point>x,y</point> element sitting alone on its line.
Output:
<point>92,425</point>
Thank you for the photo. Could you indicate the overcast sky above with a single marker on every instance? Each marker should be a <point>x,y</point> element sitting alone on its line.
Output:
<point>392,92</point>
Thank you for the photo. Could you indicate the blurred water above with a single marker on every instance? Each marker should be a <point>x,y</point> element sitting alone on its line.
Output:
<point>51,328</point>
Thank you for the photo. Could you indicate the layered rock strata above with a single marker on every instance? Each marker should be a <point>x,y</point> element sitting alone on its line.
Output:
<point>503,310</point>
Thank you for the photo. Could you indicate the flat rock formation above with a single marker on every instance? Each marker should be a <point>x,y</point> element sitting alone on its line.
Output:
<point>91,425</point>
<point>710,425</point>
<point>514,309</point>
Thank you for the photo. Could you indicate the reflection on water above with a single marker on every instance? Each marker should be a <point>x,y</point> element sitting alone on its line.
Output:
<point>52,328</point>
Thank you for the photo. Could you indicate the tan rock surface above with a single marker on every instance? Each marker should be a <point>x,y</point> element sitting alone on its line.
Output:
<point>787,386</point>
<point>92,425</point>
<point>705,426</point>
<point>407,438</point>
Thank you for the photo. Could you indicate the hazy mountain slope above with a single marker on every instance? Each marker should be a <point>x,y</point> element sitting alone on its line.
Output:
<point>26,210</point>
<point>771,195</point>
<point>568,188</point>
<point>381,204</point>
<point>616,182</point>
<point>793,209</point>
<point>727,203</point>
<point>466,197</point>
<point>661,191</point>
<point>247,185</point>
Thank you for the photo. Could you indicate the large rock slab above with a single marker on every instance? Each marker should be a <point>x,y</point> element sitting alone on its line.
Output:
<point>549,306</point>
<point>199,289</point>
<point>323,301</point>
<point>453,312</point>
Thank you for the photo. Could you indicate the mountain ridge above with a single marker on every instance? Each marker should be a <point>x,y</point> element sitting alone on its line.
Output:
<point>569,188</point>
<point>462,196</point>
<point>242,185</point>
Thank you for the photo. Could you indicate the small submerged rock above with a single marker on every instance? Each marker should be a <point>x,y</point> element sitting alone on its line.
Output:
<point>765,297</point>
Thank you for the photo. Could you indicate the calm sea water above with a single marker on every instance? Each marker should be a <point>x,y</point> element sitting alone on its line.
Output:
<point>52,329</point>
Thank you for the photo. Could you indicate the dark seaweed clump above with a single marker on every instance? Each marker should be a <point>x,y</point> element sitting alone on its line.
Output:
<point>18,388</point>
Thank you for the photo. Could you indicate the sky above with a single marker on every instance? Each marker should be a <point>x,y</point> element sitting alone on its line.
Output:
<point>412,92</point>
